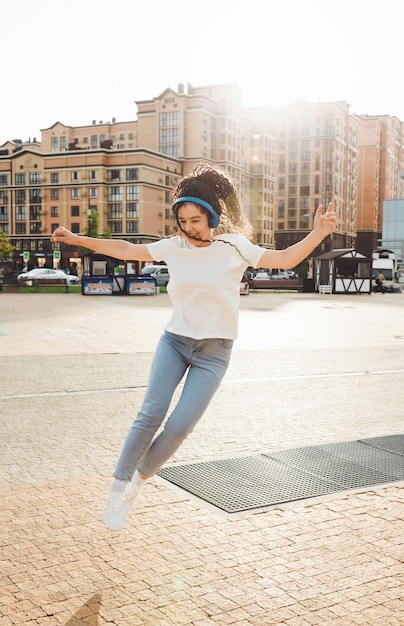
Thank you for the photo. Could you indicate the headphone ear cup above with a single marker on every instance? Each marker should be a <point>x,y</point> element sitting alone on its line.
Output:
<point>214,221</point>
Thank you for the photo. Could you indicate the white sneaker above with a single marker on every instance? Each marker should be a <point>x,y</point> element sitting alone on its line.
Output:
<point>132,491</point>
<point>115,512</point>
<point>118,505</point>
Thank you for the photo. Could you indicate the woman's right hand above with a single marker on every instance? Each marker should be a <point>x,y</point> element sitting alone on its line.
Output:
<point>61,234</point>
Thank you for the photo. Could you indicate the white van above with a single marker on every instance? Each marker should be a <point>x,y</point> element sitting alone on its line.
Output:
<point>159,272</point>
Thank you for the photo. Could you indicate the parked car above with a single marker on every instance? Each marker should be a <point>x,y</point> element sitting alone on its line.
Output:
<point>159,272</point>
<point>46,273</point>
<point>262,276</point>
<point>280,276</point>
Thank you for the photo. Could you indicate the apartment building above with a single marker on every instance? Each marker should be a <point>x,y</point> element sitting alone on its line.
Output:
<point>317,154</point>
<point>77,171</point>
<point>380,169</point>
<point>197,124</point>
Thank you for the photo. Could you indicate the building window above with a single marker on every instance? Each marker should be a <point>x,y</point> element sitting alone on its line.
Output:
<point>132,173</point>
<point>20,179</point>
<point>21,229</point>
<point>94,141</point>
<point>169,135</point>
<point>34,178</point>
<point>132,227</point>
<point>171,118</point>
<point>170,150</point>
<point>93,192</point>
<point>75,227</point>
<point>75,195</point>
<point>54,227</point>
<point>75,211</point>
<point>35,228</point>
<point>3,214</point>
<point>115,194</point>
<point>54,194</point>
<point>3,179</point>
<point>63,144</point>
<point>115,211</point>
<point>114,175</point>
<point>54,144</point>
<point>115,226</point>
<point>92,175</point>
<point>54,211</point>
<point>20,196</point>
<point>54,177</point>
<point>132,192</point>
<point>34,213</point>
<point>20,213</point>
<point>132,210</point>
<point>34,196</point>
<point>75,177</point>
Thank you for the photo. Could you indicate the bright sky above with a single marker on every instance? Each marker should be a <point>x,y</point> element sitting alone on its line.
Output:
<point>78,60</point>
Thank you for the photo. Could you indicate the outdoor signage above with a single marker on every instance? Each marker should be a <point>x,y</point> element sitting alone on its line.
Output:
<point>97,285</point>
<point>141,285</point>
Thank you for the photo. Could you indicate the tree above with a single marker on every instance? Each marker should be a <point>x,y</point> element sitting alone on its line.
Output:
<point>92,229</point>
<point>6,249</point>
<point>303,270</point>
<point>93,224</point>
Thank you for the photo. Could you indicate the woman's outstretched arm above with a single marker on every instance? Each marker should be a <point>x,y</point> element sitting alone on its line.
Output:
<point>324,224</point>
<point>115,248</point>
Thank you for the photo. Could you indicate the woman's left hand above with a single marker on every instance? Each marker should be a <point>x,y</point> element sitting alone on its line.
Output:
<point>324,224</point>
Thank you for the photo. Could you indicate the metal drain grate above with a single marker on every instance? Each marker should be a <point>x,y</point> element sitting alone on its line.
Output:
<point>393,443</point>
<point>247,483</point>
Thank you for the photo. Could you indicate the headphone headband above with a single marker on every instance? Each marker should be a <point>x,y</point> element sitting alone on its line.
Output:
<point>214,218</point>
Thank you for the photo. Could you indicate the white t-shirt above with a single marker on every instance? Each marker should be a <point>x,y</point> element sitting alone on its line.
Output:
<point>204,284</point>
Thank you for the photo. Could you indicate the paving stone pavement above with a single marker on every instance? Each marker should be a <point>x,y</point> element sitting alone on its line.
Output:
<point>306,369</point>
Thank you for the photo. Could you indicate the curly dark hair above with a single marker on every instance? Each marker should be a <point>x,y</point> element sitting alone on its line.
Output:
<point>214,185</point>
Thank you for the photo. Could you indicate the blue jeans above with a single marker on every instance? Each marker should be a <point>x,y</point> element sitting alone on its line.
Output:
<point>205,362</point>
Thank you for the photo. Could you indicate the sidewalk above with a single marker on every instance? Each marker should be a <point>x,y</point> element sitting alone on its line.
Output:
<point>307,369</point>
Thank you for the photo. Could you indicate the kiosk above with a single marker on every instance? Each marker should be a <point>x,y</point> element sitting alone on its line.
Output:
<point>343,271</point>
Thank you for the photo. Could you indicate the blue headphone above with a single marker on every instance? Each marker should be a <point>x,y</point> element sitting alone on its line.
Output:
<point>213,219</point>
